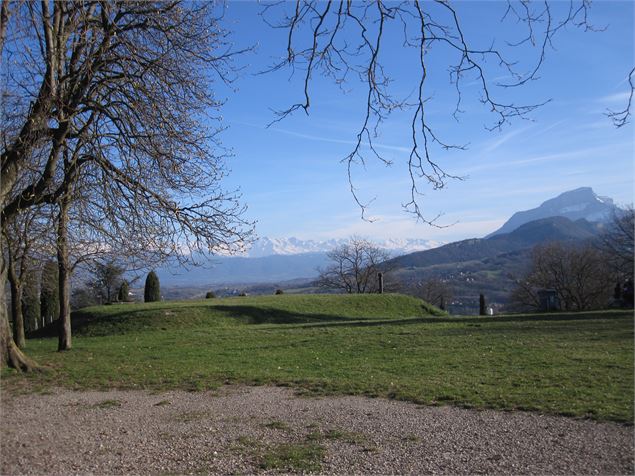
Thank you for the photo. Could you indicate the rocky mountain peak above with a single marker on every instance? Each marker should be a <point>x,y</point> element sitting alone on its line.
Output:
<point>581,203</point>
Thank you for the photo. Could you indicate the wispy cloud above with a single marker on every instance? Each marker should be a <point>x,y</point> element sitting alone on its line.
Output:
<point>491,146</point>
<point>550,127</point>
<point>560,156</point>
<point>497,79</point>
<point>331,140</point>
<point>613,98</point>
<point>402,226</point>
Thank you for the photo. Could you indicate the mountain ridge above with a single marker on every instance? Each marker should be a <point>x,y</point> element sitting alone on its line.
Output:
<point>527,235</point>
<point>574,204</point>
<point>487,265</point>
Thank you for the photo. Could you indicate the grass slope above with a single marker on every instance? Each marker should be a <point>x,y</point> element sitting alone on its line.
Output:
<point>230,312</point>
<point>388,345</point>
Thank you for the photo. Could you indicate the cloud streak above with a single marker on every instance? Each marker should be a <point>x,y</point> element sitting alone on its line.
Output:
<point>497,143</point>
<point>557,157</point>
<point>377,145</point>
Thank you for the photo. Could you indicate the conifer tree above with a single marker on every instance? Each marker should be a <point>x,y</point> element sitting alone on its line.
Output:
<point>124,291</point>
<point>481,305</point>
<point>152,291</point>
<point>31,303</point>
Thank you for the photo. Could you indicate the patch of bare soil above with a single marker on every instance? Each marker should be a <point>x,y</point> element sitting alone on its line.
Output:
<point>269,429</point>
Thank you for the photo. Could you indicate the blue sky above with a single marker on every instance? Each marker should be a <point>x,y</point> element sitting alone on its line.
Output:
<point>294,184</point>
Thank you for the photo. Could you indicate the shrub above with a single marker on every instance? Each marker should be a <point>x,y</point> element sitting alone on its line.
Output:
<point>243,294</point>
<point>210,295</point>
<point>152,290</point>
<point>279,291</point>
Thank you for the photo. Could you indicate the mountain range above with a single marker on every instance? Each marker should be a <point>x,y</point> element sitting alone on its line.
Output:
<point>470,266</point>
<point>525,236</point>
<point>491,265</point>
<point>266,246</point>
<point>273,260</point>
<point>221,270</point>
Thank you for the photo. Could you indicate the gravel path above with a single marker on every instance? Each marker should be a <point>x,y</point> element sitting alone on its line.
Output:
<point>269,429</point>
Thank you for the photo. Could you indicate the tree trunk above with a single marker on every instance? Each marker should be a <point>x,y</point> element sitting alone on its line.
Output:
<point>16,301</point>
<point>64,342</point>
<point>10,354</point>
<point>16,314</point>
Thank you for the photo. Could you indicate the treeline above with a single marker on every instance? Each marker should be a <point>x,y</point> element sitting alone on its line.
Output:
<point>35,298</point>
<point>579,277</point>
<point>570,275</point>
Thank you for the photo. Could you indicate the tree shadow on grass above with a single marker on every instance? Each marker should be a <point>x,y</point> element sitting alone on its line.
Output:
<point>132,320</point>
<point>260,315</point>
<point>471,320</point>
<point>117,321</point>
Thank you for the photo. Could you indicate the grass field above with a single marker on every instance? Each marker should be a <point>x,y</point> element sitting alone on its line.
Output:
<point>378,345</point>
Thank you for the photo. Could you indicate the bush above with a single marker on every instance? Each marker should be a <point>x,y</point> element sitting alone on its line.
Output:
<point>210,295</point>
<point>279,291</point>
<point>152,290</point>
<point>243,294</point>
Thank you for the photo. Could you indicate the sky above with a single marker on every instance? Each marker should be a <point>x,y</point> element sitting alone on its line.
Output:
<point>294,184</point>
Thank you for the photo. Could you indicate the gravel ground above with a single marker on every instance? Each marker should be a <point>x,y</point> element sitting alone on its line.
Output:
<point>257,429</point>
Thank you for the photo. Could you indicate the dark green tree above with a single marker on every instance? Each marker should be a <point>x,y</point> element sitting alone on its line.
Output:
<point>152,290</point>
<point>210,295</point>
<point>31,302</point>
<point>482,311</point>
<point>49,294</point>
<point>124,291</point>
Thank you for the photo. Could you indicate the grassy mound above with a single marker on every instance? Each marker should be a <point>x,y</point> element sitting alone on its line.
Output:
<point>281,309</point>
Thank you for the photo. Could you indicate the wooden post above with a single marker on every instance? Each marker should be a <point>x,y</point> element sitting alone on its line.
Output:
<point>380,277</point>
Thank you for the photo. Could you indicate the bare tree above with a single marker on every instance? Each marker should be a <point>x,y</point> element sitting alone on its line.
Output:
<point>620,117</point>
<point>108,278</point>
<point>351,41</point>
<point>24,241</point>
<point>354,267</point>
<point>435,291</point>
<point>617,242</point>
<point>579,275</point>
<point>131,82</point>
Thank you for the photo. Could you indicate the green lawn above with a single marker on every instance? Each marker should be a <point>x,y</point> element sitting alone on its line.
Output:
<point>377,345</point>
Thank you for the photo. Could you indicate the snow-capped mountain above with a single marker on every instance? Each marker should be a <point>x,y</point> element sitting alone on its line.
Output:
<point>274,260</point>
<point>575,204</point>
<point>265,246</point>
